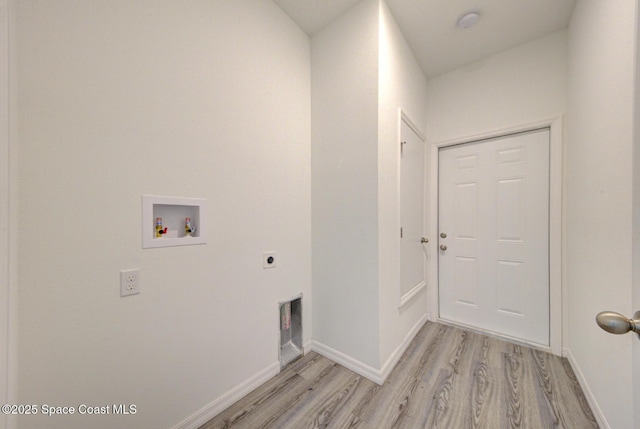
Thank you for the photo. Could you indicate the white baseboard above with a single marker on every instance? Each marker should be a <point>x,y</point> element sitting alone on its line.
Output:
<point>376,375</point>
<point>354,365</point>
<point>307,347</point>
<point>214,408</point>
<point>595,408</point>
<point>397,353</point>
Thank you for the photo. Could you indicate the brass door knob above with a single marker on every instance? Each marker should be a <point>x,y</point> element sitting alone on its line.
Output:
<point>443,247</point>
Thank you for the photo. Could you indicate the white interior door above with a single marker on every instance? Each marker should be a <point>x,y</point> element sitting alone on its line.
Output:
<point>493,219</point>
<point>412,260</point>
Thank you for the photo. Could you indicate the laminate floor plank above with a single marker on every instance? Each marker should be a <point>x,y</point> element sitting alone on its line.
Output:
<point>262,411</point>
<point>461,366</point>
<point>310,370</point>
<point>282,391</point>
<point>397,394</point>
<point>447,378</point>
<point>323,385</point>
<point>483,397</point>
<point>546,391</point>
<point>532,415</point>
<point>326,397</point>
<point>348,415</point>
<point>259,404</point>
<point>575,394</point>
<point>334,404</point>
<point>451,387</point>
<point>569,400</point>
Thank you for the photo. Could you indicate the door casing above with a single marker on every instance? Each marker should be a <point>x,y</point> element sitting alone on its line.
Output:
<point>556,260</point>
<point>407,296</point>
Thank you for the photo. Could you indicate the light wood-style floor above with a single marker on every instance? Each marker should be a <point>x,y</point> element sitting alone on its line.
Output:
<point>448,378</point>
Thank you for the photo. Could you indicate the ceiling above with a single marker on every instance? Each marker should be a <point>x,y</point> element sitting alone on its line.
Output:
<point>430,25</point>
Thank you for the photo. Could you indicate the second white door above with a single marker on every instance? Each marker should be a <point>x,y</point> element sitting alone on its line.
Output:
<point>493,222</point>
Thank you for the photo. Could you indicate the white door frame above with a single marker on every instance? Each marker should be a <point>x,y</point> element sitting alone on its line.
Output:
<point>556,259</point>
<point>404,117</point>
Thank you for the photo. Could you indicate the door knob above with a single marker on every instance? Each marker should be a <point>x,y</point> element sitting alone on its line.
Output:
<point>443,235</point>
<point>616,323</point>
<point>424,240</point>
<point>443,247</point>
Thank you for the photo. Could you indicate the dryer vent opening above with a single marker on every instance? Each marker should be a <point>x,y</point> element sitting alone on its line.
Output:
<point>290,331</point>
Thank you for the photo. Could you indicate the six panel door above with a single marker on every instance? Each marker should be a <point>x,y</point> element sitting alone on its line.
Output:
<point>493,218</point>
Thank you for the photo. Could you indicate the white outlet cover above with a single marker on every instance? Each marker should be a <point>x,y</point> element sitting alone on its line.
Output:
<point>269,259</point>
<point>129,282</point>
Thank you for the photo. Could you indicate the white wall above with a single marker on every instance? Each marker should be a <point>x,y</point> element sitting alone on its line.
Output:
<point>636,222</point>
<point>363,72</point>
<point>599,196</point>
<point>518,86</point>
<point>8,214</point>
<point>344,158</point>
<point>402,85</point>
<point>117,99</point>
<point>4,206</point>
<point>217,100</point>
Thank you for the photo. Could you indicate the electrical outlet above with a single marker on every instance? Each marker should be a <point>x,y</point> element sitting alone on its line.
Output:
<point>269,259</point>
<point>129,282</point>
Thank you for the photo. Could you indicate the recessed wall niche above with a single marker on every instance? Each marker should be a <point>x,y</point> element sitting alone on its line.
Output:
<point>173,221</point>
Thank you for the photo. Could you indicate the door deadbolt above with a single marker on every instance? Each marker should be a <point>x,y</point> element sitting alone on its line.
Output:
<point>443,235</point>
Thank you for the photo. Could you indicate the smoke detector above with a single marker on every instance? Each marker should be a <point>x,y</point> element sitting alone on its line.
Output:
<point>468,19</point>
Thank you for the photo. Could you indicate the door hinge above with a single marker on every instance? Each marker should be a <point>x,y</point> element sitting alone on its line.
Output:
<point>402,147</point>
<point>401,232</point>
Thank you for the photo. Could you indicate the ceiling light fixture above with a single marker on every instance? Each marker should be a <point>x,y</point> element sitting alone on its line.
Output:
<point>468,19</point>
